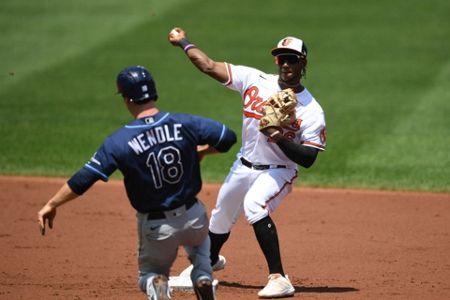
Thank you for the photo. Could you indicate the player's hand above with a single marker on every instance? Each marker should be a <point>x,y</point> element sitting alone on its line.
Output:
<point>176,35</point>
<point>203,150</point>
<point>47,213</point>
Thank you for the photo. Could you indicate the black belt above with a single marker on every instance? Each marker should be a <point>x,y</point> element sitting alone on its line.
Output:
<point>260,167</point>
<point>161,214</point>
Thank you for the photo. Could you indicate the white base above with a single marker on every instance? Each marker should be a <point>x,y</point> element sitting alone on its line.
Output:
<point>184,284</point>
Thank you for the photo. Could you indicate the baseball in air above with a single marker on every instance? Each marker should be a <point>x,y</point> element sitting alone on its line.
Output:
<point>174,32</point>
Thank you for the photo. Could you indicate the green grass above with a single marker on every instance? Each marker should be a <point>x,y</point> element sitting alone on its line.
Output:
<point>379,69</point>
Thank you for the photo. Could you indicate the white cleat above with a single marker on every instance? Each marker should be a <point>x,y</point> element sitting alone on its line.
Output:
<point>158,288</point>
<point>219,265</point>
<point>277,287</point>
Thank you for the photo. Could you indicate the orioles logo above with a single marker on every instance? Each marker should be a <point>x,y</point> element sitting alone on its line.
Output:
<point>253,103</point>
<point>286,42</point>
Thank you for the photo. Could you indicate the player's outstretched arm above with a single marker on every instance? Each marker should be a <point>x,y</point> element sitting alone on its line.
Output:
<point>48,211</point>
<point>217,70</point>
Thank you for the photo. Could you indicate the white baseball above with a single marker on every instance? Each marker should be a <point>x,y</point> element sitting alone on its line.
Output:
<point>174,32</point>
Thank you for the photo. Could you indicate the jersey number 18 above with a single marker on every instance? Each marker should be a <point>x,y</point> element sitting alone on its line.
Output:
<point>165,166</point>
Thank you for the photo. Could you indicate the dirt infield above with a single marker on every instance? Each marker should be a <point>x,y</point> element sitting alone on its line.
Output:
<point>336,244</point>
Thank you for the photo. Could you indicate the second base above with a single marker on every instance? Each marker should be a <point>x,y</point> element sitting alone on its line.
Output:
<point>184,284</point>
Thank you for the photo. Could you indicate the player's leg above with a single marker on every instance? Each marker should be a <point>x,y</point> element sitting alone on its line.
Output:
<point>263,197</point>
<point>267,236</point>
<point>156,253</point>
<point>228,207</point>
<point>196,241</point>
<point>267,192</point>
<point>201,275</point>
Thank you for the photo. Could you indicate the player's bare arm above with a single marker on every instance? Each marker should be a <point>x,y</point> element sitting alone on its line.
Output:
<point>217,70</point>
<point>48,211</point>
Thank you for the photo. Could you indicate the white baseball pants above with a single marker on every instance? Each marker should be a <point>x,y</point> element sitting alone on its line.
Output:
<point>256,192</point>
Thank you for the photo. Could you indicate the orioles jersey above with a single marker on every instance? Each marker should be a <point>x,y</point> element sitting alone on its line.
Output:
<point>255,88</point>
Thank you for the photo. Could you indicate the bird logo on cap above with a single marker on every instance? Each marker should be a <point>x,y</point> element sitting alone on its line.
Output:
<point>286,42</point>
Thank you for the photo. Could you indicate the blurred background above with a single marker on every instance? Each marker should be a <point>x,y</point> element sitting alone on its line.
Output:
<point>380,70</point>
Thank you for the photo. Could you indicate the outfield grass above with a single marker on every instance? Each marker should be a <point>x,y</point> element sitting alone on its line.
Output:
<point>379,69</point>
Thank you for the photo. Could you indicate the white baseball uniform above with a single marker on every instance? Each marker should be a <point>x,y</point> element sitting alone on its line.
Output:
<point>259,192</point>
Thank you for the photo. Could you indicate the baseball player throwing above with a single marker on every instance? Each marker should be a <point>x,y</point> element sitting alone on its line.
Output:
<point>157,155</point>
<point>266,164</point>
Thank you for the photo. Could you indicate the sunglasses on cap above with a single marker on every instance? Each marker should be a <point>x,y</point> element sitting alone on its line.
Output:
<point>290,59</point>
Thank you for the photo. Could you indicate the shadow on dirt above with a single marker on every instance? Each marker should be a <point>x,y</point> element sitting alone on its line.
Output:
<point>324,289</point>
<point>298,289</point>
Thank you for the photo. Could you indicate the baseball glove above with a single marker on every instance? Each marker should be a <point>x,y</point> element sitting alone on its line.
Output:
<point>279,110</point>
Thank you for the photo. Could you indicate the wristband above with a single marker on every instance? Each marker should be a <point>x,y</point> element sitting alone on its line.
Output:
<point>274,133</point>
<point>186,45</point>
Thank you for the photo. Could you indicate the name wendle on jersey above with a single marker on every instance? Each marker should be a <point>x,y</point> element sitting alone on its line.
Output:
<point>154,136</point>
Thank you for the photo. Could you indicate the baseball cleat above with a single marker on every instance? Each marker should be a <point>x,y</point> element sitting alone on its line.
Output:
<point>277,287</point>
<point>204,289</point>
<point>219,265</point>
<point>158,288</point>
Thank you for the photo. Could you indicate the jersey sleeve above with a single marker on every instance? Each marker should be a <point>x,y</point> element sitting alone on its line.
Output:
<point>239,77</point>
<point>214,134</point>
<point>101,165</point>
<point>82,180</point>
<point>314,133</point>
<point>104,161</point>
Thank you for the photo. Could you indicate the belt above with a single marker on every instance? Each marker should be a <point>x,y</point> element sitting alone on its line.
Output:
<point>260,167</point>
<point>161,214</point>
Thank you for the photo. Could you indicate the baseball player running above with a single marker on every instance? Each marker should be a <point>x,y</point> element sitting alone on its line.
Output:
<point>157,155</point>
<point>266,164</point>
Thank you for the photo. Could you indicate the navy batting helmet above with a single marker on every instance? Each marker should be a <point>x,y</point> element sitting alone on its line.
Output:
<point>137,84</point>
